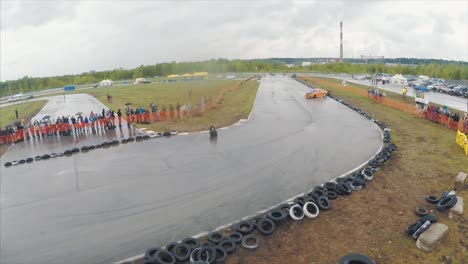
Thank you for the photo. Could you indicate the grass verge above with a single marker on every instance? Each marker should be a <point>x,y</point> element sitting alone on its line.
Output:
<point>25,110</point>
<point>373,220</point>
<point>236,103</point>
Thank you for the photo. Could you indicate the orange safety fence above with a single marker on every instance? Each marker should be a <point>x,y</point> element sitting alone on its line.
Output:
<point>400,105</point>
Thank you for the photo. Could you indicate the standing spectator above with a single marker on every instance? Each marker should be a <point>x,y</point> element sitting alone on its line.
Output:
<point>119,116</point>
<point>16,112</point>
<point>404,92</point>
<point>178,109</point>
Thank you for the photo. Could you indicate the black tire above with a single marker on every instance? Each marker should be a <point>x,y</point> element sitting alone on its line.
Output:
<point>208,243</point>
<point>344,188</point>
<point>163,256</point>
<point>446,203</point>
<point>99,146</point>
<point>167,134</point>
<point>191,242</point>
<point>67,152</point>
<point>215,237</point>
<point>245,227</point>
<point>323,203</point>
<point>29,160</point>
<point>207,253</point>
<point>430,217</point>
<point>169,247</point>
<point>138,138</point>
<point>331,195</point>
<point>130,139</point>
<point>432,199</point>
<point>8,164</point>
<point>236,237</point>
<point>356,259</point>
<point>91,147</point>
<point>149,254</point>
<point>317,193</point>
<point>84,148</point>
<point>221,254</point>
<point>277,215</point>
<point>45,156</point>
<point>421,211</point>
<point>266,226</point>
<point>330,185</point>
<point>413,228</point>
<point>75,150</point>
<point>229,245</point>
<point>146,137</point>
<point>124,141</point>
<point>300,201</point>
<point>21,161</point>
<point>181,252</point>
<point>318,187</point>
<point>285,208</point>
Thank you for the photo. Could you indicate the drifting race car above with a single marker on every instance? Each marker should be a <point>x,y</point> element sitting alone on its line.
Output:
<point>316,93</point>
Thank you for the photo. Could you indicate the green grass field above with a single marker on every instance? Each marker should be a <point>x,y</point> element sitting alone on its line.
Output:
<point>235,104</point>
<point>25,110</point>
<point>158,93</point>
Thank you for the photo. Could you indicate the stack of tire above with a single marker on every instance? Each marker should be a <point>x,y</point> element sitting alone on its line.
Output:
<point>446,201</point>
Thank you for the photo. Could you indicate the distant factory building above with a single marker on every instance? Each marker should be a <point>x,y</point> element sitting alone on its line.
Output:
<point>306,63</point>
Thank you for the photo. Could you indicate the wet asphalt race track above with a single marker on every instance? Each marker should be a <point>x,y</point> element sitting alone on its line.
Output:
<point>110,204</point>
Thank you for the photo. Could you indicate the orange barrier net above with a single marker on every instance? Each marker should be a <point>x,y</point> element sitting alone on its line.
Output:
<point>428,113</point>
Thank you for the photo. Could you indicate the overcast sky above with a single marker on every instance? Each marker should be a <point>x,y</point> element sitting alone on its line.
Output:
<point>45,38</point>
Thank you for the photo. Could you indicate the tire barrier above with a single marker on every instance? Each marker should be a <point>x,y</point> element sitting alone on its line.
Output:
<point>181,252</point>
<point>149,254</point>
<point>278,215</point>
<point>192,243</point>
<point>229,245</point>
<point>105,144</point>
<point>266,226</point>
<point>311,210</point>
<point>296,212</point>
<point>250,242</point>
<point>236,237</point>
<point>356,258</point>
<point>308,205</point>
<point>221,254</point>
<point>215,237</point>
<point>163,256</point>
<point>245,227</point>
<point>207,253</point>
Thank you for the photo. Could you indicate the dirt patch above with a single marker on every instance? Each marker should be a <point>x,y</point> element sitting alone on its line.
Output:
<point>373,220</point>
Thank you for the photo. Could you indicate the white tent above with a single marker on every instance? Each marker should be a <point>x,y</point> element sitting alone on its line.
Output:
<point>106,83</point>
<point>398,80</point>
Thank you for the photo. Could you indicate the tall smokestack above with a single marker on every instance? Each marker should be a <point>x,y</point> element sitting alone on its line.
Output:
<point>341,40</point>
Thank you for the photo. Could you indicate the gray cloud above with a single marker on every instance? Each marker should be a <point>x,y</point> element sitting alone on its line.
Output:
<point>45,38</point>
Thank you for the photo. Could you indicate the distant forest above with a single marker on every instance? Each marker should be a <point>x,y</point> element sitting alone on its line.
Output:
<point>454,70</point>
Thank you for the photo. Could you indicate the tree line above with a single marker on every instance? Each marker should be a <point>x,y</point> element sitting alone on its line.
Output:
<point>454,71</point>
